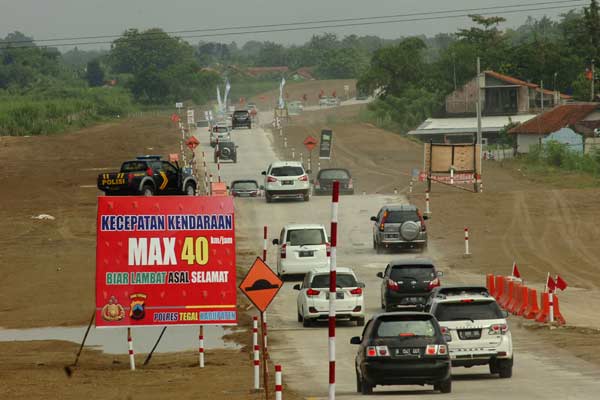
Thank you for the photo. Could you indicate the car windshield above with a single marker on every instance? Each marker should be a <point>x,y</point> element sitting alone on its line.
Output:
<point>287,171</point>
<point>134,166</point>
<point>424,273</point>
<point>405,327</point>
<point>333,174</point>
<point>245,185</point>
<point>299,237</point>
<point>342,281</point>
<point>402,216</point>
<point>475,310</point>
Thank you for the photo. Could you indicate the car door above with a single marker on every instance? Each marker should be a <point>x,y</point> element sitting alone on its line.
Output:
<point>365,335</point>
<point>302,300</point>
<point>376,224</point>
<point>172,174</point>
<point>281,241</point>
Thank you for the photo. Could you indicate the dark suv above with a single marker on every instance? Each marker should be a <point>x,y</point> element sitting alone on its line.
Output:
<point>402,349</point>
<point>399,226</point>
<point>407,284</point>
<point>241,118</point>
<point>226,151</point>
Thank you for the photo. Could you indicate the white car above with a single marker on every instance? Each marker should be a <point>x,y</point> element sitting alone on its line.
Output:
<point>220,132</point>
<point>286,180</point>
<point>313,299</point>
<point>302,247</point>
<point>476,330</point>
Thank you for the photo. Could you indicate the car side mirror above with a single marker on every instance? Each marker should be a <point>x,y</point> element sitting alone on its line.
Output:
<point>374,219</point>
<point>380,275</point>
<point>355,340</point>
<point>276,242</point>
<point>264,173</point>
<point>425,217</point>
<point>504,313</point>
<point>297,286</point>
<point>440,274</point>
<point>361,285</point>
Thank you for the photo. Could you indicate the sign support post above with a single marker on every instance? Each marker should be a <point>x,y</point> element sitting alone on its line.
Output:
<point>333,287</point>
<point>264,357</point>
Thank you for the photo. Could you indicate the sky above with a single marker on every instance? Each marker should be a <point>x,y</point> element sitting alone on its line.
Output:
<point>50,19</point>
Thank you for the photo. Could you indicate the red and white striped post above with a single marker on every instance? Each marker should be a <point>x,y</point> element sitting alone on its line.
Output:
<point>427,210</point>
<point>218,170</point>
<point>130,345</point>
<point>201,348</point>
<point>278,385</point>
<point>335,197</point>
<point>264,257</point>
<point>467,241</point>
<point>264,331</point>
<point>256,349</point>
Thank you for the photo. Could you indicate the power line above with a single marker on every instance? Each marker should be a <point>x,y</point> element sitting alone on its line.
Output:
<point>300,28</point>
<point>545,3</point>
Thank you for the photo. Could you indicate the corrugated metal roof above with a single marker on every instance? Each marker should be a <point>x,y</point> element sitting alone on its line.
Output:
<point>467,125</point>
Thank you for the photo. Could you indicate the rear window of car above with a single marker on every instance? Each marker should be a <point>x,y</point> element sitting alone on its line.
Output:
<point>420,273</point>
<point>221,129</point>
<point>342,281</point>
<point>299,237</point>
<point>134,166</point>
<point>402,216</point>
<point>245,185</point>
<point>334,174</point>
<point>287,171</point>
<point>475,310</point>
<point>405,327</point>
<point>240,113</point>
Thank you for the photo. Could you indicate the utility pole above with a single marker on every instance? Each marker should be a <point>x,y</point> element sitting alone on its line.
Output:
<point>593,79</point>
<point>542,94</point>
<point>479,140</point>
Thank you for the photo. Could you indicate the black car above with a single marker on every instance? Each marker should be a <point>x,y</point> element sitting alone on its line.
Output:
<point>323,183</point>
<point>407,284</point>
<point>245,188</point>
<point>402,348</point>
<point>226,151</point>
<point>241,118</point>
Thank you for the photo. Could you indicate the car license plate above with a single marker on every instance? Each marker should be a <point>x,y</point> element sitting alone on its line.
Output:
<point>409,352</point>
<point>469,334</point>
<point>244,194</point>
<point>287,182</point>
<point>413,300</point>
<point>306,253</point>
<point>338,295</point>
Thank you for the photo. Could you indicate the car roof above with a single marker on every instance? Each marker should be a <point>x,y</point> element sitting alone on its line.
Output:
<point>411,261</point>
<point>400,207</point>
<point>286,164</point>
<point>449,290</point>
<point>459,297</point>
<point>334,169</point>
<point>288,227</point>
<point>244,180</point>
<point>417,314</point>
<point>325,270</point>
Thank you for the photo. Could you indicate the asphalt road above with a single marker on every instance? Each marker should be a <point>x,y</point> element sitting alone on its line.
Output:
<point>538,372</point>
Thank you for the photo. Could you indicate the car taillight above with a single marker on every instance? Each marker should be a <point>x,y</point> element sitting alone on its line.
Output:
<point>378,351</point>
<point>392,285</point>
<point>357,291</point>
<point>282,251</point>
<point>149,172</point>
<point>444,330</point>
<point>498,329</point>
<point>436,349</point>
<point>312,292</point>
<point>382,224</point>
<point>434,283</point>
<point>271,179</point>
<point>350,184</point>
<point>328,249</point>
<point>303,178</point>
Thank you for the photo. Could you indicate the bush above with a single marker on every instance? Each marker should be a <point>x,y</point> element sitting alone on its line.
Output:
<point>559,156</point>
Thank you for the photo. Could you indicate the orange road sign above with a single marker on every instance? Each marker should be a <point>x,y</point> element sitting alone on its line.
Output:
<point>175,118</point>
<point>310,142</point>
<point>192,142</point>
<point>260,285</point>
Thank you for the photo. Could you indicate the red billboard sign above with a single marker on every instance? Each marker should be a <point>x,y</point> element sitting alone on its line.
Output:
<point>165,261</point>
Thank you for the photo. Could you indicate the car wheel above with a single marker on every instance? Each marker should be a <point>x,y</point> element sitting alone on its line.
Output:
<point>306,196</point>
<point>268,197</point>
<point>299,317</point>
<point>444,386</point>
<point>148,190</point>
<point>377,247</point>
<point>505,368</point>
<point>360,321</point>
<point>358,383</point>
<point>306,322</point>
<point>190,190</point>
<point>366,387</point>
<point>493,366</point>
<point>235,160</point>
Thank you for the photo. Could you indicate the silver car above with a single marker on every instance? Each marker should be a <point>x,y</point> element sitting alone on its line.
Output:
<point>399,226</point>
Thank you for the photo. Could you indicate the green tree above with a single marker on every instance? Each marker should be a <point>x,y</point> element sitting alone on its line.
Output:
<point>94,73</point>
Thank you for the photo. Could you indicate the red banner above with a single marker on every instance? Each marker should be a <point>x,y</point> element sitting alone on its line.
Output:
<point>165,261</point>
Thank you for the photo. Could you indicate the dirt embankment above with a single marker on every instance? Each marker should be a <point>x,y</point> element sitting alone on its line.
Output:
<point>294,91</point>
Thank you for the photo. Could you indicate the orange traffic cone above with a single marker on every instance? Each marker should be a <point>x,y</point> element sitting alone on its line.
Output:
<point>532,308</point>
<point>558,318</point>
<point>512,304</point>
<point>490,284</point>
<point>524,301</point>
<point>508,295</point>
<point>499,286</point>
<point>542,316</point>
